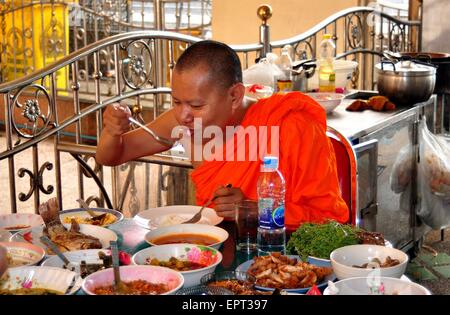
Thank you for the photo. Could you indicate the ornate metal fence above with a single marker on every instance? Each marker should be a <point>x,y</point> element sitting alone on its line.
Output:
<point>361,34</point>
<point>35,33</point>
<point>138,71</point>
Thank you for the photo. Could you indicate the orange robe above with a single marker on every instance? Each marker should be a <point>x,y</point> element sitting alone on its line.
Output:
<point>306,160</point>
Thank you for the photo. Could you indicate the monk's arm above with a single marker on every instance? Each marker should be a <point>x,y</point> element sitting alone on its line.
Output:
<point>116,149</point>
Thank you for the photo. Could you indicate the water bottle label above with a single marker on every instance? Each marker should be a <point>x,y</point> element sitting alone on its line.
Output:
<point>270,218</point>
<point>278,216</point>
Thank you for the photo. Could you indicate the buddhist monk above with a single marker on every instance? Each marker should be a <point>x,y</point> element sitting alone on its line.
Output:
<point>208,100</point>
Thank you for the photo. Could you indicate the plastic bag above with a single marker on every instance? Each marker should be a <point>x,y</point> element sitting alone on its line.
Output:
<point>402,169</point>
<point>262,73</point>
<point>434,178</point>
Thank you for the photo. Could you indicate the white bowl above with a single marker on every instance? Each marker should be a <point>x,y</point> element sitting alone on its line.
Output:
<point>255,92</point>
<point>20,221</point>
<point>202,229</point>
<point>51,278</point>
<point>343,69</point>
<point>186,252</point>
<point>372,286</point>
<point>328,101</point>
<point>152,274</point>
<point>81,214</point>
<point>342,260</point>
<point>23,254</point>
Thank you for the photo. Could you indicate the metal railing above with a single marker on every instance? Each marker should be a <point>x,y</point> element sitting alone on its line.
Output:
<point>35,33</point>
<point>139,74</point>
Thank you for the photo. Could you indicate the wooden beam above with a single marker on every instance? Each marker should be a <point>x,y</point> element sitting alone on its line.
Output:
<point>415,13</point>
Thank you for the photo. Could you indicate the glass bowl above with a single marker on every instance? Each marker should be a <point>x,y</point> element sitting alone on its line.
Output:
<point>228,275</point>
<point>204,290</point>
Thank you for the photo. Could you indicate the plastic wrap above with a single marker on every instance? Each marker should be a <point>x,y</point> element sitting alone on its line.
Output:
<point>434,178</point>
<point>263,73</point>
<point>402,169</point>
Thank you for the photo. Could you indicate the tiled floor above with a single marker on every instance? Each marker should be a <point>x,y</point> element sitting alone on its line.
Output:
<point>432,269</point>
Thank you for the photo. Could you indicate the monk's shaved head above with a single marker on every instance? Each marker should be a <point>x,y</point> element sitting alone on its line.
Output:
<point>221,62</point>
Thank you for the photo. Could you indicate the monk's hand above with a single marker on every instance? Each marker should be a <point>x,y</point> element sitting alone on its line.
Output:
<point>115,119</point>
<point>225,203</point>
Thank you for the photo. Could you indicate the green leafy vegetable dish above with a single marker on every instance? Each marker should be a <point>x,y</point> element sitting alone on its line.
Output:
<point>319,240</point>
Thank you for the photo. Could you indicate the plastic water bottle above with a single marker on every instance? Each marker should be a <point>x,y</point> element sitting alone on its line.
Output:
<point>284,81</point>
<point>327,76</point>
<point>271,189</point>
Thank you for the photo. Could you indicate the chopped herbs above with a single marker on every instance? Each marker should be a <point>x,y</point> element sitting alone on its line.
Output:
<point>319,240</point>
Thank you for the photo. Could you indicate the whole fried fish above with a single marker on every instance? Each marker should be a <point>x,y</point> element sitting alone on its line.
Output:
<point>66,240</point>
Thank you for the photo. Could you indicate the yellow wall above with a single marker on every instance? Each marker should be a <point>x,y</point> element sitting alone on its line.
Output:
<point>236,22</point>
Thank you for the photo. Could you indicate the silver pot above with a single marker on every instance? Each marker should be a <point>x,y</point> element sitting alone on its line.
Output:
<point>301,72</point>
<point>405,82</point>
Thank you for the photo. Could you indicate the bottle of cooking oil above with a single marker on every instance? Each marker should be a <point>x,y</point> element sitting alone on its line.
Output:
<point>327,76</point>
<point>284,81</point>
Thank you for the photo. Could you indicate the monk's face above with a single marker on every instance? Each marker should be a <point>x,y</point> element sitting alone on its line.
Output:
<point>196,95</point>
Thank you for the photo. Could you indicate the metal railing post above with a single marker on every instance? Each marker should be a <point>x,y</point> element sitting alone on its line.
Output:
<point>264,13</point>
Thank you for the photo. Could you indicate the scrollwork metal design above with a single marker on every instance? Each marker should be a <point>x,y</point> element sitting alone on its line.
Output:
<point>54,38</point>
<point>397,38</point>
<point>355,31</point>
<point>137,66</point>
<point>31,110</point>
<point>96,168</point>
<point>36,181</point>
<point>96,199</point>
<point>304,50</point>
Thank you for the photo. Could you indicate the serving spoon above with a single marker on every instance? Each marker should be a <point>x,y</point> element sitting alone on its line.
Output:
<point>119,286</point>
<point>69,266</point>
<point>94,216</point>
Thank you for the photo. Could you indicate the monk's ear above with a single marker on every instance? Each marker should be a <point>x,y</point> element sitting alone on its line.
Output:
<point>236,93</point>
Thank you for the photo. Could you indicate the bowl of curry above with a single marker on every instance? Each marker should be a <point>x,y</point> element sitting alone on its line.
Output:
<point>138,280</point>
<point>192,261</point>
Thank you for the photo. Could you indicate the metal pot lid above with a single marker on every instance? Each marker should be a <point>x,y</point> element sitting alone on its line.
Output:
<point>405,68</point>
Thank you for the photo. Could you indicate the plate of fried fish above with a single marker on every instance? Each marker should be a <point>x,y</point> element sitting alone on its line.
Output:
<point>67,237</point>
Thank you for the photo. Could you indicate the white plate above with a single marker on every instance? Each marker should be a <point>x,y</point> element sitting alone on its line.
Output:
<point>81,213</point>
<point>20,221</point>
<point>103,234</point>
<point>331,277</point>
<point>23,254</point>
<point>43,277</point>
<point>90,256</point>
<point>172,215</point>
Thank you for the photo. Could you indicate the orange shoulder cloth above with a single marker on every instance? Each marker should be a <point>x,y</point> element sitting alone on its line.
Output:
<point>306,160</point>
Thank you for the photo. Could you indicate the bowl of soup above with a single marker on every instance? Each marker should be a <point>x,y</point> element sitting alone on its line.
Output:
<point>198,234</point>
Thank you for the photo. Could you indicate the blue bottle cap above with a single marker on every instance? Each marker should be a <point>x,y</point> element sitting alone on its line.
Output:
<point>270,162</point>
